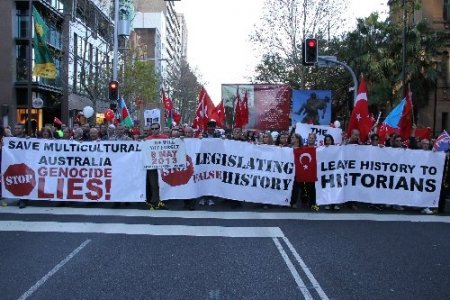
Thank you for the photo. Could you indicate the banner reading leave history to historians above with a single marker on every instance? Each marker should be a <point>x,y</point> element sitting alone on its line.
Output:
<point>378,175</point>
<point>40,169</point>
<point>232,170</point>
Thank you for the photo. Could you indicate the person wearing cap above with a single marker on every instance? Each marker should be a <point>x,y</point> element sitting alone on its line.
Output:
<point>152,183</point>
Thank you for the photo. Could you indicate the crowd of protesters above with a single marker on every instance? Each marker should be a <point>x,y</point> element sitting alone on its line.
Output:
<point>303,193</point>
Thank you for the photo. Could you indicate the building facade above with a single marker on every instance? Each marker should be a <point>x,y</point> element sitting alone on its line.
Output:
<point>160,33</point>
<point>79,39</point>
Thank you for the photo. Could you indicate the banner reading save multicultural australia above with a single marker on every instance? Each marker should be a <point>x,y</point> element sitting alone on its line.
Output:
<point>232,170</point>
<point>39,169</point>
<point>378,175</point>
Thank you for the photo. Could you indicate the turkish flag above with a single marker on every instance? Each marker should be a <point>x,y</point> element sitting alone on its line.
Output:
<point>405,120</point>
<point>360,118</point>
<point>167,102</point>
<point>176,116</point>
<point>244,109</point>
<point>238,120</point>
<point>423,133</point>
<point>218,114</point>
<point>204,110</point>
<point>305,164</point>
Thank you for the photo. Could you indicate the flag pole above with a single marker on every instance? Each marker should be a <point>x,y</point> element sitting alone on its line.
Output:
<point>30,67</point>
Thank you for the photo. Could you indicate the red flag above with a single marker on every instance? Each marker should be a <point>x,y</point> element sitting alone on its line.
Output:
<point>384,131</point>
<point>423,133</point>
<point>167,102</point>
<point>244,109</point>
<point>203,111</point>
<point>360,118</point>
<point>405,120</point>
<point>238,120</point>
<point>305,164</point>
<point>176,116</point>
<point>57,121</point>
<point>218,114</point>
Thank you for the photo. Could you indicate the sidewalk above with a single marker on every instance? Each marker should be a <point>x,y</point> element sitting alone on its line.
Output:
<point>225,205</point>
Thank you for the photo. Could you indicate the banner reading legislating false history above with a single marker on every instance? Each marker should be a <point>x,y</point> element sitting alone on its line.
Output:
<point>39,169</point>
<point>232,170</point>
<point>378,175</point>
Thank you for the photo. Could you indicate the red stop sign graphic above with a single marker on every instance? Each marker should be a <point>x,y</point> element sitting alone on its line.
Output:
<point>19,179</point>
<point>174,177</point>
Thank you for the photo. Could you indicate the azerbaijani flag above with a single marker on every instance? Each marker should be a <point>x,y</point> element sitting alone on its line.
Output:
<point>126,119</point>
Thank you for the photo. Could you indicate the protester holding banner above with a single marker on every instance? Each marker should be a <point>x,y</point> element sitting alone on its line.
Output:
<point>210,133</point>
<point>354,138</point>
<point>329,141</point>
<point>19,132</point>
<point>152,184</point>
<point>309,188</point>
<point>296,142</point>
<point>266,138</point>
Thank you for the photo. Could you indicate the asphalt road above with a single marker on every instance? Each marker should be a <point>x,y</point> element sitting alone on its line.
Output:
<point>97,252</point>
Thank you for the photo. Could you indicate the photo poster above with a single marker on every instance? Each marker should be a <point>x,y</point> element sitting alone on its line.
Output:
<point>269,105</point>
<point>311,107</point>
<point>152,116</point>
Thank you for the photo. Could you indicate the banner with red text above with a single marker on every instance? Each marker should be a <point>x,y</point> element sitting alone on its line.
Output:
<point>232,170</point>
<point>378,175</point>
<point>40,169</point>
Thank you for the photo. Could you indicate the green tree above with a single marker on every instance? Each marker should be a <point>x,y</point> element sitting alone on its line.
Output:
<point>183,87</point>
<point>280,34</point>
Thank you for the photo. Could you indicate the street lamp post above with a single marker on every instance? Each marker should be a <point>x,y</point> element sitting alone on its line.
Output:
<point>30,67</point>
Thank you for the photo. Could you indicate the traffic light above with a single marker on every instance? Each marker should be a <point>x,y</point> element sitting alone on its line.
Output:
<point>310,52</point>
<point>113,88</point>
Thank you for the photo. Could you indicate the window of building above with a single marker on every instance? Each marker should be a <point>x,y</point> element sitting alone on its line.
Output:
<point>444,121</point>
<point>22,21</point>
<point>21,63</point>
<point>446,10</point>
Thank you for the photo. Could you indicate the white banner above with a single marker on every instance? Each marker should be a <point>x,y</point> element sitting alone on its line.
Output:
<point>305,129</point>
<point>163,154</point>
<point>232,170</point>
<point>378,175</point>
<point>152,116</point>
<point>39,169</point>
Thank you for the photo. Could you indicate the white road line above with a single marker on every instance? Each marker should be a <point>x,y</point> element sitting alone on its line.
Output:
<point>53,271</point>
<point>301,285</point>
<point>229,215</point>
<point>307,271</point>
<point>142,229</point>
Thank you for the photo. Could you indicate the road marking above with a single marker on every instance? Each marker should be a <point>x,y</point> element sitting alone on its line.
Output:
<point>306,270</point>
<point>143,229</point>
<point>301,285</point>
<point>53,271</point>
<point>227,215</point>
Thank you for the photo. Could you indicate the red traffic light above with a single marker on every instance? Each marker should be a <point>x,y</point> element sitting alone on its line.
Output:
<point>310,52</point>
<point>113,90</point>
<point>311,43</point>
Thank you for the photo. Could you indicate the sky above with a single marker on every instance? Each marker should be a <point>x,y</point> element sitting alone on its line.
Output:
<point>218,37</point>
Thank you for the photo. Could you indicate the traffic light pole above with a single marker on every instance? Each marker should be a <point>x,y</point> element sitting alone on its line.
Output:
<point>355,81</point>
<point>116,38</point>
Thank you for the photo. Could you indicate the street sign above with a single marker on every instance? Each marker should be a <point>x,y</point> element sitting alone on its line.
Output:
<point>324,61</point>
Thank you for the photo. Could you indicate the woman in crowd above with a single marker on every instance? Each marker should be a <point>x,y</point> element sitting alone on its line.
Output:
<point>296,142</point>
<point>329,141</point>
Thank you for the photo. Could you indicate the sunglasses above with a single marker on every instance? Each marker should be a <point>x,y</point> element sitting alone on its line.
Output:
<point>154,128</point>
